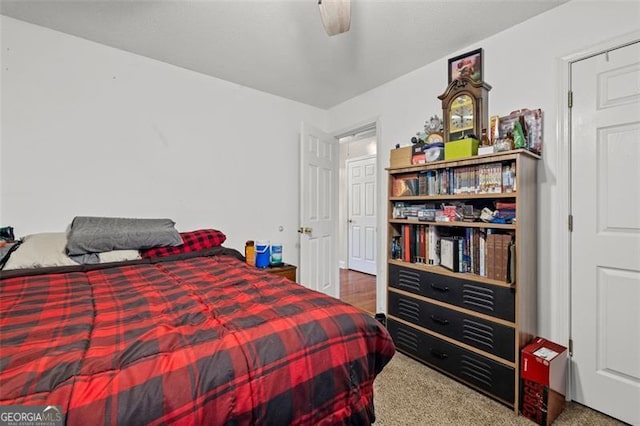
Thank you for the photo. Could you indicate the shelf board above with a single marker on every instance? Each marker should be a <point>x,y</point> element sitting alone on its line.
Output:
<point>444,271</point>
<point>455,224</point>
<point>454,197</point>
<point>478,159</point>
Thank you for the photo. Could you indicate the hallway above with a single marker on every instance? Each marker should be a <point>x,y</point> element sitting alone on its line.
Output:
<point>358,289</point>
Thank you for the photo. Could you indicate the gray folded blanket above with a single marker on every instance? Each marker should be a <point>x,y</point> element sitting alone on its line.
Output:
<point>89,236</point>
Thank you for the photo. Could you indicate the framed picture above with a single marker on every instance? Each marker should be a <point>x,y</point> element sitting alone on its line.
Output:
<point>466,65</point>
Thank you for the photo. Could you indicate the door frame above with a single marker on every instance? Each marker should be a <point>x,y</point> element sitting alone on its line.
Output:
<point>560,294</point>
<point>381,234</point>
<point>351,160</point>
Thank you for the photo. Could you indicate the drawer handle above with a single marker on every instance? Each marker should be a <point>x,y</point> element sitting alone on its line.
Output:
<point>439,354</point>
<point>439,320</point>
<point>437,287</point>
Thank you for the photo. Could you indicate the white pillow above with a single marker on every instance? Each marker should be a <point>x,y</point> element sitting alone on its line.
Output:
<point>118,256</point>
<point>39,251</point>
<point>48,249</point>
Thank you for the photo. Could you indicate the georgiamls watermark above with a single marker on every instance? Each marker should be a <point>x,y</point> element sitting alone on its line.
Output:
<point>31,415</point>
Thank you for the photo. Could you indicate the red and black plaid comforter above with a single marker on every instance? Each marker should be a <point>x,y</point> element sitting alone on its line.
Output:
<point>205,340</point>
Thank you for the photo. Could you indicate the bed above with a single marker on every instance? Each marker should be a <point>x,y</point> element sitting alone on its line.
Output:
<point>192,338</point>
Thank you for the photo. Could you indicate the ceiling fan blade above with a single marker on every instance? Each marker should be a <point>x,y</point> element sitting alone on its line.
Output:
<point>336,15</point>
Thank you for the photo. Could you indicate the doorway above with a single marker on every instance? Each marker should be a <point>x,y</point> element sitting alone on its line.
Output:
<point>358,235</point>
<point>361,214</point>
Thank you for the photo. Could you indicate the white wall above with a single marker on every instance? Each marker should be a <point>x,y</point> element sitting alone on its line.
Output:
<point>523,65</point>
<point>92,130</point>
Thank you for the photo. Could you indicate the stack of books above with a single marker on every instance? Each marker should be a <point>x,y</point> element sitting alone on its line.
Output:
<point>506,211</point>
<point>500,257</point>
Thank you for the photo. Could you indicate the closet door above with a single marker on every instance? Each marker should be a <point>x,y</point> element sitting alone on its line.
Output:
<point>605,246</point>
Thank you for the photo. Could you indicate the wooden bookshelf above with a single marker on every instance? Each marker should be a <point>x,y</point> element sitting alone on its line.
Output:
<point>467,324</point>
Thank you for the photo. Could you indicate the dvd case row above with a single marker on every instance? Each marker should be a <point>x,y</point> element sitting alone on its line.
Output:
<point>491,178</point>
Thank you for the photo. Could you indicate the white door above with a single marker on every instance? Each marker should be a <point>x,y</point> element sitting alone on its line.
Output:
<point>605,242</point>
<point>361,193</point>
<point>319,211</point>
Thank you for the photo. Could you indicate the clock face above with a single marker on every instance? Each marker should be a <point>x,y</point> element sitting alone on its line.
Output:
<point>461,114</point>
<point>435,138</point>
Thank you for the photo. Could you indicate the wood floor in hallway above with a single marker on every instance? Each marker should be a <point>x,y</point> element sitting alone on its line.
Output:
<point>358,289</point>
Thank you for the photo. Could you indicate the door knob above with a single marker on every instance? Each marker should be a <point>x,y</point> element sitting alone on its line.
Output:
<point>304,230</point>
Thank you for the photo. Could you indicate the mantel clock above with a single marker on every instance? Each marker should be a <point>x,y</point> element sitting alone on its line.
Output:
<point>465,106</point>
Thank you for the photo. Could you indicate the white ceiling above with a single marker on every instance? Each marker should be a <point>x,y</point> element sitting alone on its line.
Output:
<point>280,46</point>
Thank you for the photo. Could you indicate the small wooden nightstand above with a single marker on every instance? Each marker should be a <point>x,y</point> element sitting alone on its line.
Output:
<point>286,270</point>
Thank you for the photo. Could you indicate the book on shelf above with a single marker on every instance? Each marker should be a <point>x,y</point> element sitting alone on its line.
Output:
<point>490,256</point>
<point>406,243</point>
<point>405,186</point>
<point>467,253</point>
<point>475,250</point>
<point>450,253</point>
<point>503,205</point>
<point>422,183</point>
<point>396,247</point>
<point>500,260</point>
<point>511,269</point>
<point>422,253</point>
<point>482,256</point>
<point>433,248</point>
<point>507,240</point>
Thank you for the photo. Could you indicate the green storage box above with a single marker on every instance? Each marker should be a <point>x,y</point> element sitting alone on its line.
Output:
<point>462,148</point>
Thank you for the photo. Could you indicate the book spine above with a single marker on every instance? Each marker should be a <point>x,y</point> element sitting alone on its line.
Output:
<point>502,250</point>
<point>434,255</point>
<point>491,244</point>
<point>421,244</point>
<point>511,269</point>
<point>482,254</point>
<point>406,241</point>
<point>474,252</point>
<point>416,243</point>
<point>499,271</point>
<point>425,230</point>
<point>504,256</point>
<point>466,259</point>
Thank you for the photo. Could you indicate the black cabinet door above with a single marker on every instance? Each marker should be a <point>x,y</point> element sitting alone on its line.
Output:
<point>477,332</point>
<point>479,297</point>
<point>484,373</point>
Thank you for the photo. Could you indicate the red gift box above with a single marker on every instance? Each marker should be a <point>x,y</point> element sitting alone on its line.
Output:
<point>543,375</point>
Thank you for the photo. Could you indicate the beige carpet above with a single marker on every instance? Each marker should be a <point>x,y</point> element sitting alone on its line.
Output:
<point>410,393</point>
